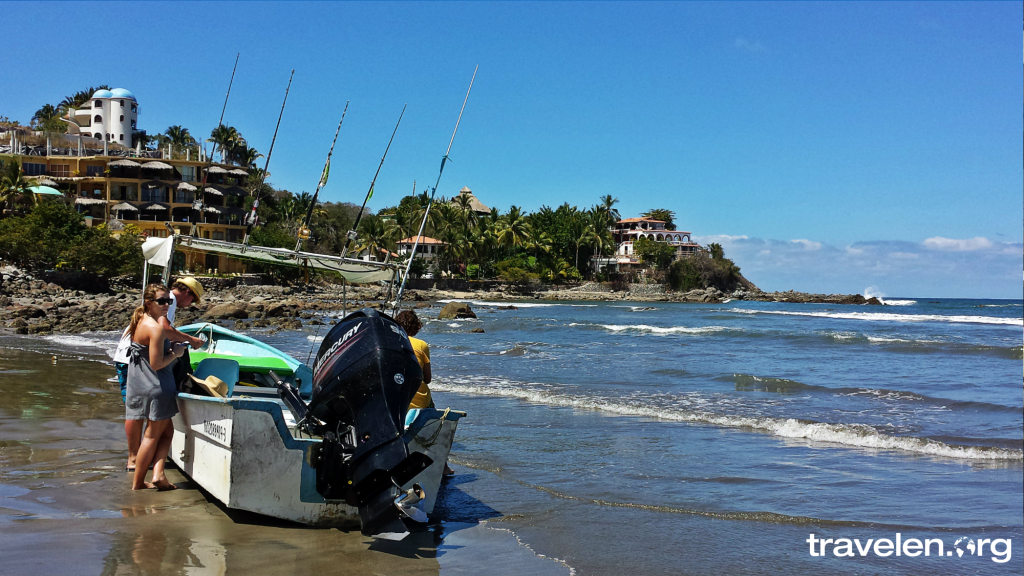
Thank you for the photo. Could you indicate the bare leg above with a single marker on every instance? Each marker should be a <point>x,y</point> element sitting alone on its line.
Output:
<point>148,451</point>
<point>162,448</point>
<point>133,430</point>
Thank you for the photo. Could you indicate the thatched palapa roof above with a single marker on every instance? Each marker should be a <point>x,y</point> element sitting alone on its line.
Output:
<point>474,203</point>
<point>123,206</point>
<point>124,164</point>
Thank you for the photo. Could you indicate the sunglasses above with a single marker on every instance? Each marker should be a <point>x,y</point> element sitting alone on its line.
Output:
<point>163,301</point>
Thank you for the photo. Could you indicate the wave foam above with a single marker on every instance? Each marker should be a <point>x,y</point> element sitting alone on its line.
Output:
<point>898,302</point>
<point>664,329</point>
<point>850,435</point>
<point>74,341</point>
<point>891,317</point>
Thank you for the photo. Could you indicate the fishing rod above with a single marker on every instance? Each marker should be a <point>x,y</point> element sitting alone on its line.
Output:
<point>252,219</point>
<point>303,232</point>
<point>430,203</point>
<point>353,234</point>
<point>197,205</point>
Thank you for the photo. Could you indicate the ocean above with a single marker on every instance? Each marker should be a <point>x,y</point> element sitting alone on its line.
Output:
<point>733,438</point>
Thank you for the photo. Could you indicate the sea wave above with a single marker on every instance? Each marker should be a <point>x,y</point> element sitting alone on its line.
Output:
<point>106,342</point>
<point>890,317</point>
<point>852,435</point>
<point>663,329</point>
<point>897,302</point>
<point>786,386</point>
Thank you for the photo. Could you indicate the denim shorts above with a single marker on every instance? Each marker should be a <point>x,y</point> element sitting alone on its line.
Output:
<point>122,378</point>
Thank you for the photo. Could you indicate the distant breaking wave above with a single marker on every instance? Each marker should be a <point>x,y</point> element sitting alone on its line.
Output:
<point>890,317</point>
<point>664,329</point>
<point>898,302</point>
<point>785,386</point>
<point>852,435</point>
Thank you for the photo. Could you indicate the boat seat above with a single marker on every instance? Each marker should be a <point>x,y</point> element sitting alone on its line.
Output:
<point>226,370</point>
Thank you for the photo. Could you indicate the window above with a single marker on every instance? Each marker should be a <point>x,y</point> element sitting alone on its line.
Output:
<point>182,197</point>
<point>133,124</point>
<point>94,170</point>
<point>154,195</point>
<point>97,104</point>
<point>122,118</point>
<point>158,233</point>
<point>33,169</point>
<point>121,137</point>
<point>188,173</point>
<point>98,119</point>
<point>122,106</point>
<point>134,108</point>
<point>63,170</point>
<point>218,235</point>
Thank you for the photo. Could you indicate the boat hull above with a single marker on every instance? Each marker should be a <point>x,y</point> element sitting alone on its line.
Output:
<point>244,453</point>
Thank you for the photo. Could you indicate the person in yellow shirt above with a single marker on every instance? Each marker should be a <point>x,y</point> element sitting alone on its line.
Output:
<point>409,322</point>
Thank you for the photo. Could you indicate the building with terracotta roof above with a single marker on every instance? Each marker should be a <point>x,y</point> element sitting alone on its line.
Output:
<point>627,231</point>
<point>428,248</point>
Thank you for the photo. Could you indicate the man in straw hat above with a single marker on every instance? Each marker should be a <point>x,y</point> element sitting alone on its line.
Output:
<point>184,292</point>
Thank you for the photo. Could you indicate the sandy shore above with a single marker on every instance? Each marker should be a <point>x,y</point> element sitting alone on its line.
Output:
<point>66,506</point>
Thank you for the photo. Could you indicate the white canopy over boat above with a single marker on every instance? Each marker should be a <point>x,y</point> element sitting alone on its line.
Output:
<point>356,271</point>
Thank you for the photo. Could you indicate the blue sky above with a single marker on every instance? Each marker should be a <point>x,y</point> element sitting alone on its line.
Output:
<point>832,147</point>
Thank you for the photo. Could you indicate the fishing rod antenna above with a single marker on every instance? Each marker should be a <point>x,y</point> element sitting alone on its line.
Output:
<point>353,233</point>
<point>197,204</point>
<point>303,232</point>
<point>430,203</point>
<point>252,219</point>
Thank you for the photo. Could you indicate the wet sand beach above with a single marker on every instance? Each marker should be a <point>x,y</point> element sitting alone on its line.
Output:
<point>66,506</point>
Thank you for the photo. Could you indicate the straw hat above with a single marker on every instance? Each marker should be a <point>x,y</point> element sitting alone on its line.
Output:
<point>194,286</point>
<point>215,386</point>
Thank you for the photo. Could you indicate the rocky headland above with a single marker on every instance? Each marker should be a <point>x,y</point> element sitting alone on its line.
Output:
<point>30,305</point>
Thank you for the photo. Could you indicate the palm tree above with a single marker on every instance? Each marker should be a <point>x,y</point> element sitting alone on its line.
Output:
<point>247,157</point>
<point>13,184</point>
<point>226,139</point>
<point>606,204</point>
<point>179,137</point>
<point>48,119</point>
<point>375,235</point>
<point>80,98</point>
<point>515,230</point>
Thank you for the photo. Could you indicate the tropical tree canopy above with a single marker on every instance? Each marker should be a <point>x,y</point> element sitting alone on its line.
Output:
<point>665,215</point>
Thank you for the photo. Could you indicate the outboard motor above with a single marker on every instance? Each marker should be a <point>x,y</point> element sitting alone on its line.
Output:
<point>364,378</point>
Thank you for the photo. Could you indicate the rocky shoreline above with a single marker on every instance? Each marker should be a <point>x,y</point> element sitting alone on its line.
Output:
<point>29,305</point>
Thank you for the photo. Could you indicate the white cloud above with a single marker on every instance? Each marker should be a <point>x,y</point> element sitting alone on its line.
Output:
<point>940,267</point>
<point>718,238</point>
<point>957,245</point>
<point>808,244</point>
<point>749,46</point>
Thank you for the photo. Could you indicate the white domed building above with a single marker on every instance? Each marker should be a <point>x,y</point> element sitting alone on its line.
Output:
<point>111,115</point>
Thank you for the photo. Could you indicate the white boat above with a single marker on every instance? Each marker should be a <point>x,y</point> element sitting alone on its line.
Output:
<point>248,452</point>
<point>328,445</point>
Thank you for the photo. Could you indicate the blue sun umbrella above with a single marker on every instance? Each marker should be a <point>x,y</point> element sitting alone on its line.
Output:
<point>45,190</point>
